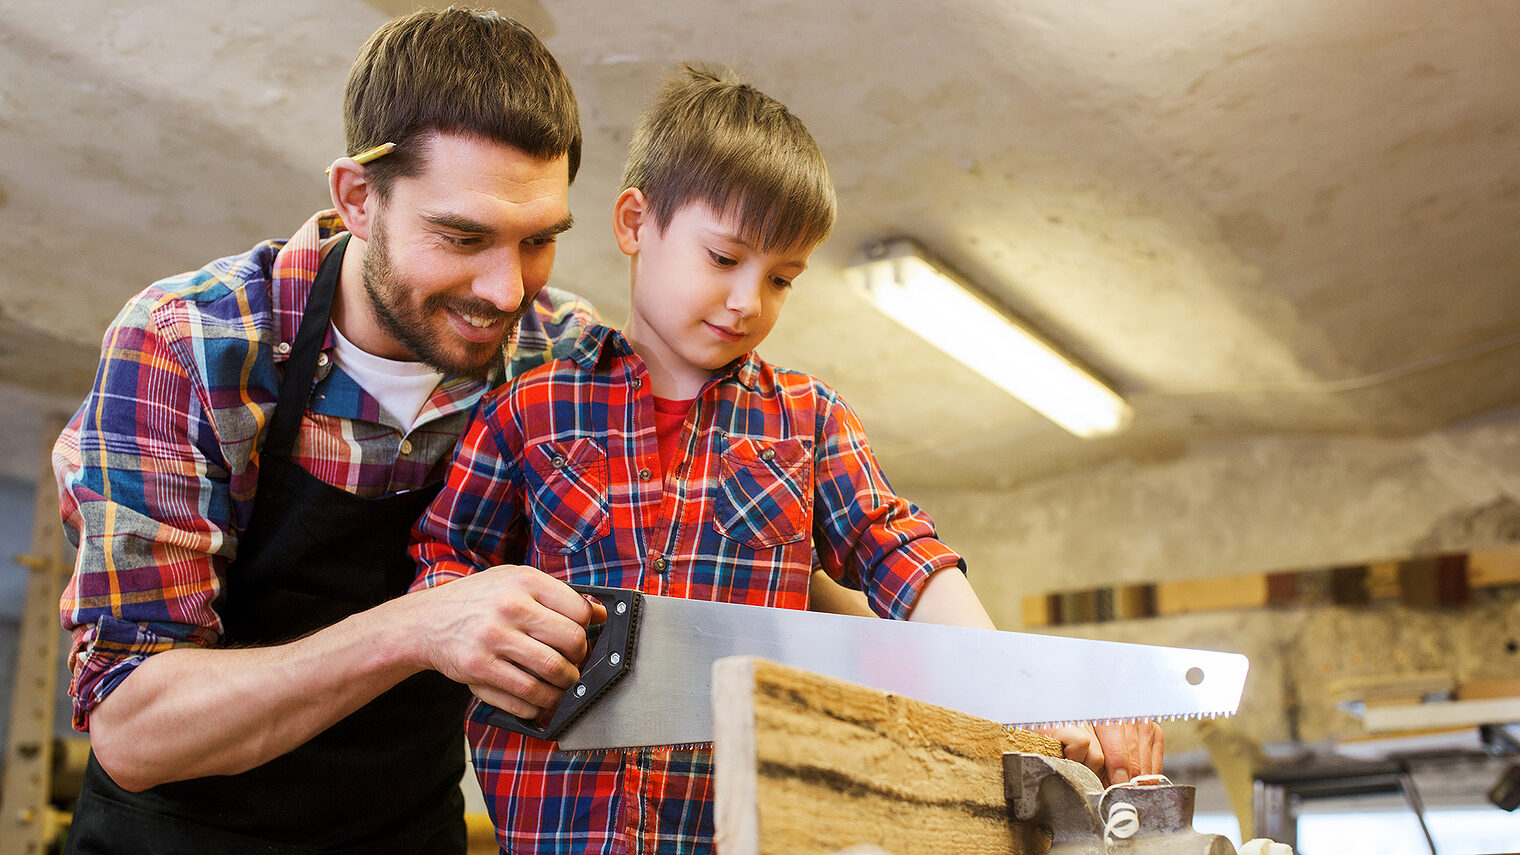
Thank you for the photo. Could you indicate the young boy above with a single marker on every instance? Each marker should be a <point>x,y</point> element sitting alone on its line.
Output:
<point>669,458</point>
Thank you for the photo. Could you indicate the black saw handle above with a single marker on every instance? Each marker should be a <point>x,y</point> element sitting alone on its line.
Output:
<point>611,657</point>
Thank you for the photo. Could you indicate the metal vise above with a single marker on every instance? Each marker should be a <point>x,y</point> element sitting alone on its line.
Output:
<point>1085,819</point>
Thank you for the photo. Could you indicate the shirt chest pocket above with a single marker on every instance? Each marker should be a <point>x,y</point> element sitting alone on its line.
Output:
<point>765,491</point>
<point>567,494</point>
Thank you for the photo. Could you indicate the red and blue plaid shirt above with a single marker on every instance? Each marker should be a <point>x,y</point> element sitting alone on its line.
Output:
<point>560,471</point>
<point>158,469</point>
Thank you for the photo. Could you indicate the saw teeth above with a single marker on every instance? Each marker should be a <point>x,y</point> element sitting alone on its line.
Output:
<point>681,746</point>
<point>1191,716</point>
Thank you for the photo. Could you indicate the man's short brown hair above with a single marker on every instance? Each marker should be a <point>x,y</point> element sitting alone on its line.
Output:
<point>458,71</point>
<point>711,138</point>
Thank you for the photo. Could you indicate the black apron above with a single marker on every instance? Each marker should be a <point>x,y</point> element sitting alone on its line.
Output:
<point>385,779</point>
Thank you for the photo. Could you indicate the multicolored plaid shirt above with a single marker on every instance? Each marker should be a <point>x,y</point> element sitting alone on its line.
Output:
<point>559,471</point>
<point>158,469</point>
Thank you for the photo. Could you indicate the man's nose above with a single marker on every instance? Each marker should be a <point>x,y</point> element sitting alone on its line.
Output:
<point>501,284</point>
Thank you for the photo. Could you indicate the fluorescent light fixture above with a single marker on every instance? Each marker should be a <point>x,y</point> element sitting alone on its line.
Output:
<point>899,279</point>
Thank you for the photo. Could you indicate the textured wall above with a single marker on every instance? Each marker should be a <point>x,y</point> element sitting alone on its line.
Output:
<point>1274,503</point>
<point>1238,506</point>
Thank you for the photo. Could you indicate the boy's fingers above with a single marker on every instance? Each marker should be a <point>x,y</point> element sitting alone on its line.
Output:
<point>1156,743</point>
<point>1133,749</point>
<point>1078,744</point>
<point>1121,747</point>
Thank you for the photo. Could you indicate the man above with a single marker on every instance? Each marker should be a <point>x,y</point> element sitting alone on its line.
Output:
<point>261,435</point>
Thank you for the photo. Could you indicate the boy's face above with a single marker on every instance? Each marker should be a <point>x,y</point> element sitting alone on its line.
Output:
<point>702,296</point>
<point>456,254</point>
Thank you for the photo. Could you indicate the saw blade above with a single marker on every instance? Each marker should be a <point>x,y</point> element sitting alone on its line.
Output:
<point>1008,677</point>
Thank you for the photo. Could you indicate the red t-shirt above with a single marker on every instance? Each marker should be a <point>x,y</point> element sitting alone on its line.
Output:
<point>668,416</point>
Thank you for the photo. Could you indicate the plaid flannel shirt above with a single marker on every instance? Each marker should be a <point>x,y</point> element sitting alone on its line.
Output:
<point>158,469</point>
<point>558,470</point>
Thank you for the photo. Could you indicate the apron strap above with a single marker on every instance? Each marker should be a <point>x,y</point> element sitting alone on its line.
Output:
<point>301,367</point>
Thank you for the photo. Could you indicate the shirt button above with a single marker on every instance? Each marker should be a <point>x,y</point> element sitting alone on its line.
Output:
<point>322,359</point>
<point>406,446</point>
<point>638,382</point>
<point>645,474</point>
<point>661,565</point>
<point>768,454</point>
<point>282,347</point>
<point>558,462</point>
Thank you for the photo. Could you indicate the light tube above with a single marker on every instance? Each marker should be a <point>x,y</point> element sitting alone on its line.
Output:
<point>906,287</point>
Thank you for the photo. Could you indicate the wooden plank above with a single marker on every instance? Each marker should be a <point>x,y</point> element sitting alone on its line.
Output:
<point>1221,592</point>
<point>1441,714</point>
<point>1477,690</point>
<point>808,765</point>
<point>1348,586</point>
<point>1078,607</point>
<point>1036,611</point>
<point>1488,568</point>
<point>1383,580</point>
<point>1136,601</point>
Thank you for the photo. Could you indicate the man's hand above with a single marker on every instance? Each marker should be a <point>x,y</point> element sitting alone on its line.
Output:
<point>513,634</point>
<point>1117,753</point>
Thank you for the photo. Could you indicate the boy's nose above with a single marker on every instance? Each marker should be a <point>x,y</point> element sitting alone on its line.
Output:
<point>744,298</point>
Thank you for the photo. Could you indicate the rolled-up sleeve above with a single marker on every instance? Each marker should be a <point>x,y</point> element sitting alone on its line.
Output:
<point>867,536</point>
<point>146,501</point>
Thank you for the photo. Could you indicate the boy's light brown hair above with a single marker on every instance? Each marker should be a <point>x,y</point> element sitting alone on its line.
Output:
<point>709,137</point>
<point>458,71</point>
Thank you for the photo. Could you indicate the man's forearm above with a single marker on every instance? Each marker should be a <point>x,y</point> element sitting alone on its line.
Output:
<point>511,633</point>
<point>188,713</point>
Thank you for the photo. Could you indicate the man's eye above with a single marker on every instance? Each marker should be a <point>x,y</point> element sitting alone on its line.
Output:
<point>547,240</point>
<point>452,240</point>
<point>721,260</point>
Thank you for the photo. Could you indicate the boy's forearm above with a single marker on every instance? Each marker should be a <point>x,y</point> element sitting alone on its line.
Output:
<point>948,598</point>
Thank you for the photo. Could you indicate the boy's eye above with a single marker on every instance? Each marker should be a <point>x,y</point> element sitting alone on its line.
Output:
<point>721,260</point>
<point>781,282</point>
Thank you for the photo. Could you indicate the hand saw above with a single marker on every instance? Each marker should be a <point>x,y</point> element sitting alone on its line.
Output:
<point>648,677</point>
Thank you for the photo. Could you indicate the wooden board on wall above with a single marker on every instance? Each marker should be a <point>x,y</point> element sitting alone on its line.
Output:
<point>1490,568</point>
<point>1199,595</point>
<point>808,765</point>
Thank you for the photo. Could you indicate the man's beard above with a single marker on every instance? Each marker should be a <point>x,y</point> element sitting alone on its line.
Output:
<point>407,321</point>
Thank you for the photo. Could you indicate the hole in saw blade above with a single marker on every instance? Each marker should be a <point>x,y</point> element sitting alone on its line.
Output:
<point>1194,676</point>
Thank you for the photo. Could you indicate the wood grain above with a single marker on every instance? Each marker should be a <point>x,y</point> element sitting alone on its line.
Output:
<point>809,765</point>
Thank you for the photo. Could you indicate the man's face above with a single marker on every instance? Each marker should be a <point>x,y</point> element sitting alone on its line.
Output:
<point>457,253</point>
<point>702,296</point>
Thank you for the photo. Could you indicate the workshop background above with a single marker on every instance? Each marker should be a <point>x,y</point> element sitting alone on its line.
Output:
<point>1287,232</point>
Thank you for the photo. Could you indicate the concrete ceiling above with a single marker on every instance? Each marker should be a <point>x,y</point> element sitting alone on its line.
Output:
<point>1253,216</point>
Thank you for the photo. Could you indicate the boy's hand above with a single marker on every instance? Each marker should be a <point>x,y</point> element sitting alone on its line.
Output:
<point>1117,753</point>
<point>513,634</point>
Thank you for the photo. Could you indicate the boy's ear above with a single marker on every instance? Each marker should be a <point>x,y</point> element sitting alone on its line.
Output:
<point>629,216</point>
<point>352,195</point>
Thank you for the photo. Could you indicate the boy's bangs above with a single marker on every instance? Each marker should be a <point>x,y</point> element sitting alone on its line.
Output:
<point>780,218</point>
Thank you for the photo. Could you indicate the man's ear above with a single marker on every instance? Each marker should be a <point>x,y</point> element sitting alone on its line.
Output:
<point>352,195</point>
<point>630,214</point>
